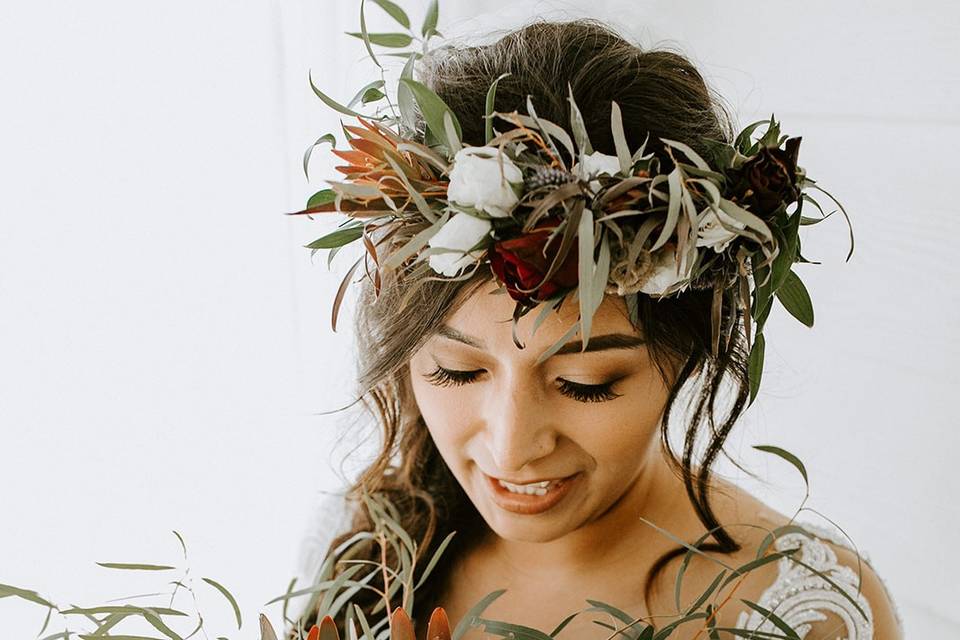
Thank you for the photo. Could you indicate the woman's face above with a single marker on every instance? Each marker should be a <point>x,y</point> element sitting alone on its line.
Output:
<point>494,413</point>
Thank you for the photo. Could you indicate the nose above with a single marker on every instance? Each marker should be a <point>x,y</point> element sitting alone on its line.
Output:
<point>520,428</point>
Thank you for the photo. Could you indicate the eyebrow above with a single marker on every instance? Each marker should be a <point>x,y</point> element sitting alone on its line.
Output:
<point>597,343</point>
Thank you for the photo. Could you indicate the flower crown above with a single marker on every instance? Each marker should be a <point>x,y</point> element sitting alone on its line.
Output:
<point>620,224</point>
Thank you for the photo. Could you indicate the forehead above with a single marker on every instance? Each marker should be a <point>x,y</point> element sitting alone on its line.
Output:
<point>487,317</point>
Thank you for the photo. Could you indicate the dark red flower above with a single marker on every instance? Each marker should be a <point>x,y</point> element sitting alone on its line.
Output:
<point>522,262</point>
<point>768,179</point>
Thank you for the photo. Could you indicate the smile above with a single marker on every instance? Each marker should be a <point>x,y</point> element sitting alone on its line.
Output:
<point>530,498</point>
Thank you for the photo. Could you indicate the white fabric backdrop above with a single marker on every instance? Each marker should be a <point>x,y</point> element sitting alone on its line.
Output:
<point>165,340</point>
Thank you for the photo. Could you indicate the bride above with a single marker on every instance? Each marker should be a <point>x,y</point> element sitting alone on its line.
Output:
<point>556,472</point>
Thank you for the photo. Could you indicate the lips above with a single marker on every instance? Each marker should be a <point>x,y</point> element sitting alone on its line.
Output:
<point>530,504</point>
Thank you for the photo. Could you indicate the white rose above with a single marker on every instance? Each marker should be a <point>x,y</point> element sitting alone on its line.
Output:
<point>596,164</point>
<point>711,234</point>
<point>460,233</point>
<point>665,272</point>
<point>475,181</point>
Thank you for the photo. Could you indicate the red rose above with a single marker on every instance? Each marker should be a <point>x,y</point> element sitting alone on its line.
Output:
<point>521,263</point>
<point>768,179</point>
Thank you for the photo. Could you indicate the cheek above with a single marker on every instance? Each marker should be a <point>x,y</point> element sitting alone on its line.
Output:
<point>443,413</point>
<point>620,433</point>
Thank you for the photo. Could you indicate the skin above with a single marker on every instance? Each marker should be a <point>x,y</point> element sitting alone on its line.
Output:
<point>514,421</point>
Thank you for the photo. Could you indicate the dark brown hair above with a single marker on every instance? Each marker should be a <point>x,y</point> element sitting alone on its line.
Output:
<point>660,93</point>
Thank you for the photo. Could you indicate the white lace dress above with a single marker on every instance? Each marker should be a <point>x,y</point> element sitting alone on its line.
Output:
<point>797,596</point>
<point>800,597</point>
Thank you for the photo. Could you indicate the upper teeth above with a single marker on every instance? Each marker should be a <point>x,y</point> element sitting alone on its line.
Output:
<point>536,488</point>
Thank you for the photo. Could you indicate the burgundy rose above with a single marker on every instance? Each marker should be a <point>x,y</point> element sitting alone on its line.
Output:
<point>522,262</point>
<point>768,179</point>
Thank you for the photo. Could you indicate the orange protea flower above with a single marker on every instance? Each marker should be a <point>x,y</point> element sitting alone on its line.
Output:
<point>401,627</point>
<point>377,168</point>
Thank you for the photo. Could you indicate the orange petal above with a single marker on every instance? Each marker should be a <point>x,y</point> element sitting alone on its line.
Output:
<point>401,627</point>
<point>439,626</point>
<point>328,630</point>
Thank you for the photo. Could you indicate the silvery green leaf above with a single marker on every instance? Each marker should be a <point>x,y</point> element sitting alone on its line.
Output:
<point>372,95</point>
<point>711,189</point>
<point>513,631</point>
<point>405,96</point>
<point>327,137</point>
<point>24,594</point>
<point>551,130</point>
<point>393,40</point>
<point>453,139</point>
<point>775,619</point>
<point>330,102</point>
<point>620,139</point>
<point>430,20</point>
<point>226,594</point>
<point>416,243</point>
<point>418,198</point>
<point>673,209</point>
<point>366,36</point>
<point>602,272</point>
<point>136,567</point>
<point>690,153</point>
<point>756,563</point>
<point>428,154</point>
<point>432,107</point>
<point>355,189</point>
<point>579,128</point>
<point>489,107</point>
<point>585,270</point>
<point>742,215</point>
<point>434,559</point>
<point>559,343</point>
<point>638,154</point>
<point>395,12</point>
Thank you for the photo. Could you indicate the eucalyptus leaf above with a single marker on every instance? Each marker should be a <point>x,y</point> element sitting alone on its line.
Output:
<point>432,107</point>
<point>327,137</point>
<point>620,139</point>
<point>673,209</point>
<point>405,99</point>
<point>393,40</point>
<point>786,455</point>
<point>585,268</point>
<point>489,104</point>
<point>430,20</point>
<point>330,102</point>
<point>468,619</point>
<point>579,127</point>
<point>226,594</point>
<point>366,36</point>
<point>453,138</point>
<point>136,567</point>
<point>394,11</point>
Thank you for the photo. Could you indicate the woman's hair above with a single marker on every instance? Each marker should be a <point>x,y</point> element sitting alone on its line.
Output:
<point>661,94</point>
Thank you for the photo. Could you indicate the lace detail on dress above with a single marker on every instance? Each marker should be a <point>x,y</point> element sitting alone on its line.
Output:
<point>800,597</point>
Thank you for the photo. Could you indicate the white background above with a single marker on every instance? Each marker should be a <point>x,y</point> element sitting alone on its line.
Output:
<point>165,340</point>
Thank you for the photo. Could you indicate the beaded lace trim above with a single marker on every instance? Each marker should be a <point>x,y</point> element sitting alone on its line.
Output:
<point>800,597</point>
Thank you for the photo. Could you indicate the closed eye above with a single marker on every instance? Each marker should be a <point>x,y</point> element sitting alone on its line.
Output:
<point>443,377</point>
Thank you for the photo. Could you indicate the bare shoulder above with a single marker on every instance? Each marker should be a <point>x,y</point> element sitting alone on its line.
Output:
<point>829,592</point>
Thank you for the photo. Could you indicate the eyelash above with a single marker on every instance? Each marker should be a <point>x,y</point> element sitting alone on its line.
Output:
<point>580,392</point>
